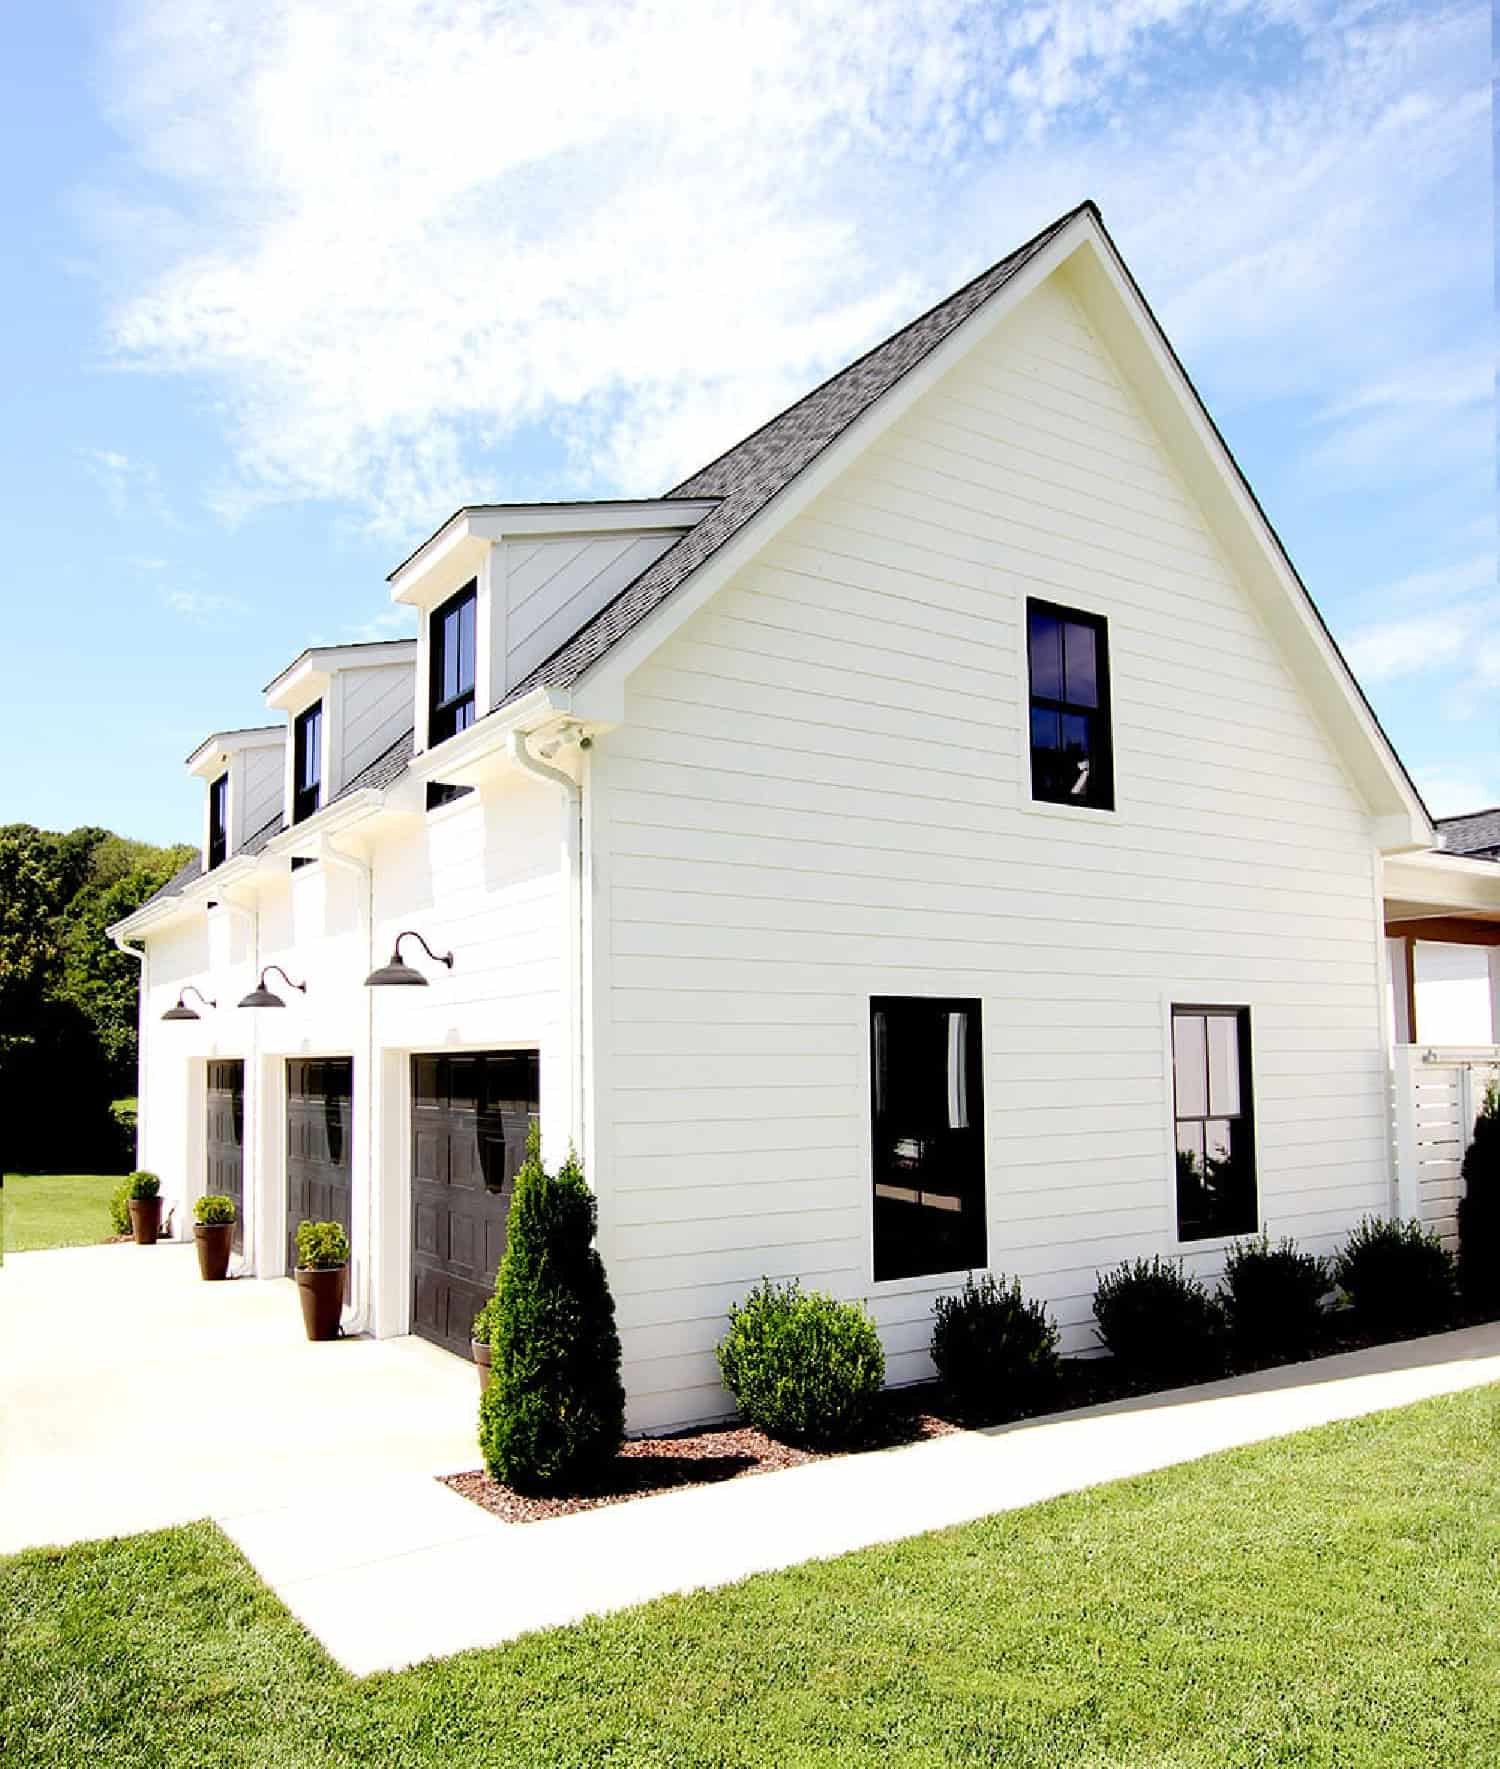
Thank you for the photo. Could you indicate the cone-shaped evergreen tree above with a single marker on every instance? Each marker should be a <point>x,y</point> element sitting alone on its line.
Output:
<point>1479,1212</point>
<point>554,1412</point>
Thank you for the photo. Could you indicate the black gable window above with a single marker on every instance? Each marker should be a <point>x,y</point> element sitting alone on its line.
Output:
<point>307,762</point>
<point>927,1115</point>
<point>1071,753</point>
<point>451,707</point>
<point>1215,1129</point>
<point>218,821</point>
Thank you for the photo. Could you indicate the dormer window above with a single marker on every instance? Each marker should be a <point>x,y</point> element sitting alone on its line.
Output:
<point>307,762</point>
<point>218,821</point>
<point>451,706</point>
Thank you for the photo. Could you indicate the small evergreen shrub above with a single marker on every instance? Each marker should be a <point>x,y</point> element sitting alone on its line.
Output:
<point>143,1186</point>
<point>804,1368</point>
<point>1479,1212</point>
<point>553,1416</point>
<point>996,1353</point>
<point>1273,1299</point>
<point>483,1329</point>
<point>1159,1321</point>
<point>321,1246</point>
<point>1398,1276</point>
<point>214,1209</point>
<point>119,1208</point>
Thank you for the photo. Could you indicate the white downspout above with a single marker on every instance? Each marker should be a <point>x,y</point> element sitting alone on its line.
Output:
<point>139,954</point>
<point>357,1318</point>
<point>573,913</point>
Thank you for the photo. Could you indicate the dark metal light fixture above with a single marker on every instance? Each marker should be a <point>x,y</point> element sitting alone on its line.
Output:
<point>261,996</point>
<point>398,973</point>
<point>182,1011</point>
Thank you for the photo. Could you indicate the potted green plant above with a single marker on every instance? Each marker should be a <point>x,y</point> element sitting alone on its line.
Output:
<point>322,1267</point>
<point>480,1335</point>
<point>144,1198</point>
<point>213,1229</point>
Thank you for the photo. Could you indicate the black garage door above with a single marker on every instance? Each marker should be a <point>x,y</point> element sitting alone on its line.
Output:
<point>225,1133</point>
<point>318,1115</point>
<point>469,1118</point>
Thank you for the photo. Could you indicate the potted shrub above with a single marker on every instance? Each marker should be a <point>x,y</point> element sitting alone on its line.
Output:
<point>322,1267</point>
<point>144,1198</point>
<point>480,1335</point>
<point>213,1229</point>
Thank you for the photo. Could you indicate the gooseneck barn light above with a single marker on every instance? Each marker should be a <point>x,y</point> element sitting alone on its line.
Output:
<point>398,974</point>
<point>182,1011</point>
<point>261,996</point>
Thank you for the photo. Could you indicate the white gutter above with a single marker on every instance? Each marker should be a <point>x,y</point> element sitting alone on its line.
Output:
<point>357,1320</point>
<point>573,917</point>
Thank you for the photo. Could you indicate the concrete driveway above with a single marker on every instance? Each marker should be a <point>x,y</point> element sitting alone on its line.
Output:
<point>133,1395</point>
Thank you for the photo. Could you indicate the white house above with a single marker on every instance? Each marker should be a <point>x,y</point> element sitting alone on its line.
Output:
<point>939,834</point>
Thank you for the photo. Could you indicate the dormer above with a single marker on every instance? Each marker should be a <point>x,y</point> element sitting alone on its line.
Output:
<point>345,705</point>
<point>244,772</point>
<point>500,587</point>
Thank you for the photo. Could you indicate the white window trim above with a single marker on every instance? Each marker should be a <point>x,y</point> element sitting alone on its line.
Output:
<point>1102,608</point>
<point>1191,995</point>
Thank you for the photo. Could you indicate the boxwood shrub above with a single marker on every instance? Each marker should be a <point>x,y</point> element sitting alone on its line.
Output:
<point>995,1351</point>
<point>1273,1299</point>
<point>1398,1276</point>
<point>321,1246</point>
<point>119,1207</point>
<point>143,1186</point>
<point>214,1209</point>
<point>1159,1321</point>
<point>803,1367</point>
<point>1479,1212</point>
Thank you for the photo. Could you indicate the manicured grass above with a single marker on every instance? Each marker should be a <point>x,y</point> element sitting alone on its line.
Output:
<point>56,1209</point>
<point>1326,1600</point>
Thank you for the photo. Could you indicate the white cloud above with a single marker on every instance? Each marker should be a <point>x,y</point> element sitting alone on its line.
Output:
<point>205,607</point>
<point>130,487</point>
<point>411,243</point>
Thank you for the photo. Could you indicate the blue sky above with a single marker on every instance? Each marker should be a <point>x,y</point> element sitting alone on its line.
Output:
<point>288,280</point>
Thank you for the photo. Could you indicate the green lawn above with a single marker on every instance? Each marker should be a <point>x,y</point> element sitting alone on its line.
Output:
<point>56,1209</point>
<point>1327,1600</point>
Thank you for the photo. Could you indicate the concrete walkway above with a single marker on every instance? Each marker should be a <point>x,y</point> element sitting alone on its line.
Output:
<point>387,1567</point>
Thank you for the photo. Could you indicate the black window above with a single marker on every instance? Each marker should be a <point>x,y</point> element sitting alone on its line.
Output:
<point>1215,1125</point>
<point>451,707</point>
<point>927,1116</point>
<point>307,762</point>
<point>1071,754</point>
<point>218,822</point>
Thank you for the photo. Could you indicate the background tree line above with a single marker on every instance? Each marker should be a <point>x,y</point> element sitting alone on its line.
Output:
<point>67,995</point>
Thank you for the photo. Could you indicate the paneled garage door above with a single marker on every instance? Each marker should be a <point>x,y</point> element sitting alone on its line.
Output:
<point>225,1137</point>
<point>319,1092</point>
<point>469,1118</point>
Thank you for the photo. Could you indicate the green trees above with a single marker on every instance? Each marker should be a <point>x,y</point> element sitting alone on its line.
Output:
<point>554,1412</point>
<point>1479,1211</point>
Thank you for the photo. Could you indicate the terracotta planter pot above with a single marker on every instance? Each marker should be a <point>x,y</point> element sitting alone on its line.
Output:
<point>212,1240</point>
<point>481,1350</point>
<point>145,1220</point>
<point>322,1294</point>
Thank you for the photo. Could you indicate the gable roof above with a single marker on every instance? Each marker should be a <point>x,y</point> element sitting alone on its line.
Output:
<point>748,476</point>
<point>1476,833</point>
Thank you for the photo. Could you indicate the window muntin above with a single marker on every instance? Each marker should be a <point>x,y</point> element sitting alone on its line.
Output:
<point>307,762</point>
<point>1072,760</point>
<point>1214,1123</point>
<point>451,705</point>
<point>927,1136</point>
<point>218,821</point>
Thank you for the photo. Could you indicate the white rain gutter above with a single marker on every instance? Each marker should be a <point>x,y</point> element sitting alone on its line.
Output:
<point>357,1320</point>
<point>573,917</point>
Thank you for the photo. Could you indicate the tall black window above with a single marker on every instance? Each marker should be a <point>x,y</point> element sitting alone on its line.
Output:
<point>451,707</point>
<point>307,762</point>
<point>927,1114</point>
<point>1071,753</point>
<point>1215,1123</point>
<point>218,822</point>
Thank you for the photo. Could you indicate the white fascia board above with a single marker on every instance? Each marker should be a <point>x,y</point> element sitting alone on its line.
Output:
<point>307,676</point>
<point>480,752</point>
<point>306,836</point>
<point>600,693</point>
<point>1443,881</point>
<point>211,755</point>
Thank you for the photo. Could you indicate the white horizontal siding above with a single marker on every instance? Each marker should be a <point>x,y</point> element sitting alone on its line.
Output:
<point>819,793</point>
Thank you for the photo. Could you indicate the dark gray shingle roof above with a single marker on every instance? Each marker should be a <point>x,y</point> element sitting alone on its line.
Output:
<point>750,474</point>
<point>1477,834</point>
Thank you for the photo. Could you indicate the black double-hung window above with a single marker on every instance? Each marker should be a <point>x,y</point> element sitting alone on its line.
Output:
<point>307,762</point>
<point>1072,755</point>
<point>927,1135</point>
<point>1213,1108</point>
<point>218,822</point>
<point>451,705</point>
